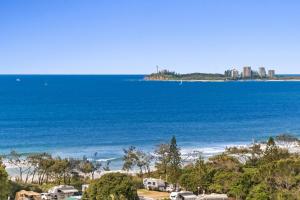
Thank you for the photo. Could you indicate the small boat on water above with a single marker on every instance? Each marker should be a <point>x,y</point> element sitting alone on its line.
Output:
<point>18,80</point>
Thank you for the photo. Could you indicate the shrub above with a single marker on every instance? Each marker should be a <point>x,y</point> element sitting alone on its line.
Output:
<point>112,186</point>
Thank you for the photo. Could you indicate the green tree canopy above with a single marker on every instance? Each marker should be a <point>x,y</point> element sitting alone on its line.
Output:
<point>112,186</point>
<point>259,192</point>
<point>4,184</point>
<point>174,161</point>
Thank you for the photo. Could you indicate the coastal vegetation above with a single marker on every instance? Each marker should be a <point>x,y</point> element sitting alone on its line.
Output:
<point>41,171</point>
<point>229,75</point>
<point>112,186</point>
<point>260,171</point>
<point>168,75</point>
<point>4,183</point>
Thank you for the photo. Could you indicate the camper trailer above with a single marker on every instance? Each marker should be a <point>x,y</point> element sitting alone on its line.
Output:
<point>62,192</point>
<point>154,184</point>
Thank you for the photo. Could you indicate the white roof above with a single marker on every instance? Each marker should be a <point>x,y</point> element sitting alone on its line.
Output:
<point>187,195</point>
<point>68,190</point>
<point>63,188</point>
<point>152,179</point>
<point>213,197</point>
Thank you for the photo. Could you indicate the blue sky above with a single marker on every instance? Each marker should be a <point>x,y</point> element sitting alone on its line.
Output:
<point>133,36</point>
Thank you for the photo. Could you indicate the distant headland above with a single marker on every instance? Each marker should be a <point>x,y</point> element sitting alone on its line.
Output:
<point>234,74</point>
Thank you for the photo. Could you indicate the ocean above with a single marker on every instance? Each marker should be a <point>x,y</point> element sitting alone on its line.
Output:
<point>78,115</point>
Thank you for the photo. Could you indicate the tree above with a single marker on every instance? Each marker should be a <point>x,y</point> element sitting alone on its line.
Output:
<point>136,158</point>
<point>286,139</point>
<point>61,169</point>
<point>224,162</point>
<point>223,181</point>
<point>20,162</point>
<point>196,177</point>
<point>259,192</point>
<point>86,167</point>
<point>142,161</point>
<point>256,153</point>
<point>282,174</point>
<point>4,184</point>
<point>174,166</point>
<point>129,158</point>
<point>162,159</point>
<point>96,166</point>
<point>112,186</point>
<point>34,160</point>
<point>241,186</point>
<point>45,167</point>
<point>273,153</point>
<point>271,141</point>
<point>106,166</point>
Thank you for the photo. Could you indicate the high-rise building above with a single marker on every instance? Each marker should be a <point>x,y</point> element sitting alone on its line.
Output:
<point>262,72</point>
<point>255,74</point>
<point>228,73</point>
<point>247,72</point>
<point>234,74</point>
<point>271,73</point>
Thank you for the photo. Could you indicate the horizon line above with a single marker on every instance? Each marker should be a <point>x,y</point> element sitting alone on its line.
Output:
<point>104,74</point>
<point>67,74</point>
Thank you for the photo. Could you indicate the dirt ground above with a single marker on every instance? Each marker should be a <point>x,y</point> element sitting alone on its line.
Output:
<point>153,194</point>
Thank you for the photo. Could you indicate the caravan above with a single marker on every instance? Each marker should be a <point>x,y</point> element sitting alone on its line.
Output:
<point>62,192</point>
<point>155,184</point>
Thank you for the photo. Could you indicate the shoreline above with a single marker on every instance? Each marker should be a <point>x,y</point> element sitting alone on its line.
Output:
<point>175,80</point>
<point>188,155</point>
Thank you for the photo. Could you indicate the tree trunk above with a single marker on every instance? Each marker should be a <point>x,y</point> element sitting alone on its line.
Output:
<point>33,174</point>
<point>21,174</point>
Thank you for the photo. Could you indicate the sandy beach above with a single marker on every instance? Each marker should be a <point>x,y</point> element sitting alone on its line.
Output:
<point>188,155</point>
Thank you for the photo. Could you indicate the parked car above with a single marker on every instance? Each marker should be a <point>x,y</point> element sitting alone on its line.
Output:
<point>183,195</point>
<point>46,196</point>
<point>170,188</point>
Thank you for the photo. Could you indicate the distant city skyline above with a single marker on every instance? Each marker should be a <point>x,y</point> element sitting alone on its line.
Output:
<point>133,37</point>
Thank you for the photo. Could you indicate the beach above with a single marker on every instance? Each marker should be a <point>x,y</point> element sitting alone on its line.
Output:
<point>188,156</point>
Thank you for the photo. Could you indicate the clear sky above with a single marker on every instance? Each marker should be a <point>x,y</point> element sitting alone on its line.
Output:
<point>133,36</point>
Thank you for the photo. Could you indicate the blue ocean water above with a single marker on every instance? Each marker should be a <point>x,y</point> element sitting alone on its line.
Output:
<point>80,115</point>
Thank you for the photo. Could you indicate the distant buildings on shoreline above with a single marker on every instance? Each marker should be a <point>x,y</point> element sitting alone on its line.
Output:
<point>248,73</point>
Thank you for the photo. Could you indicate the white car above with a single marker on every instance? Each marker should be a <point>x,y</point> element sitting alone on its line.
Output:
<point>183,195</point>
<point>170,188</point>
<point>45,196</point>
